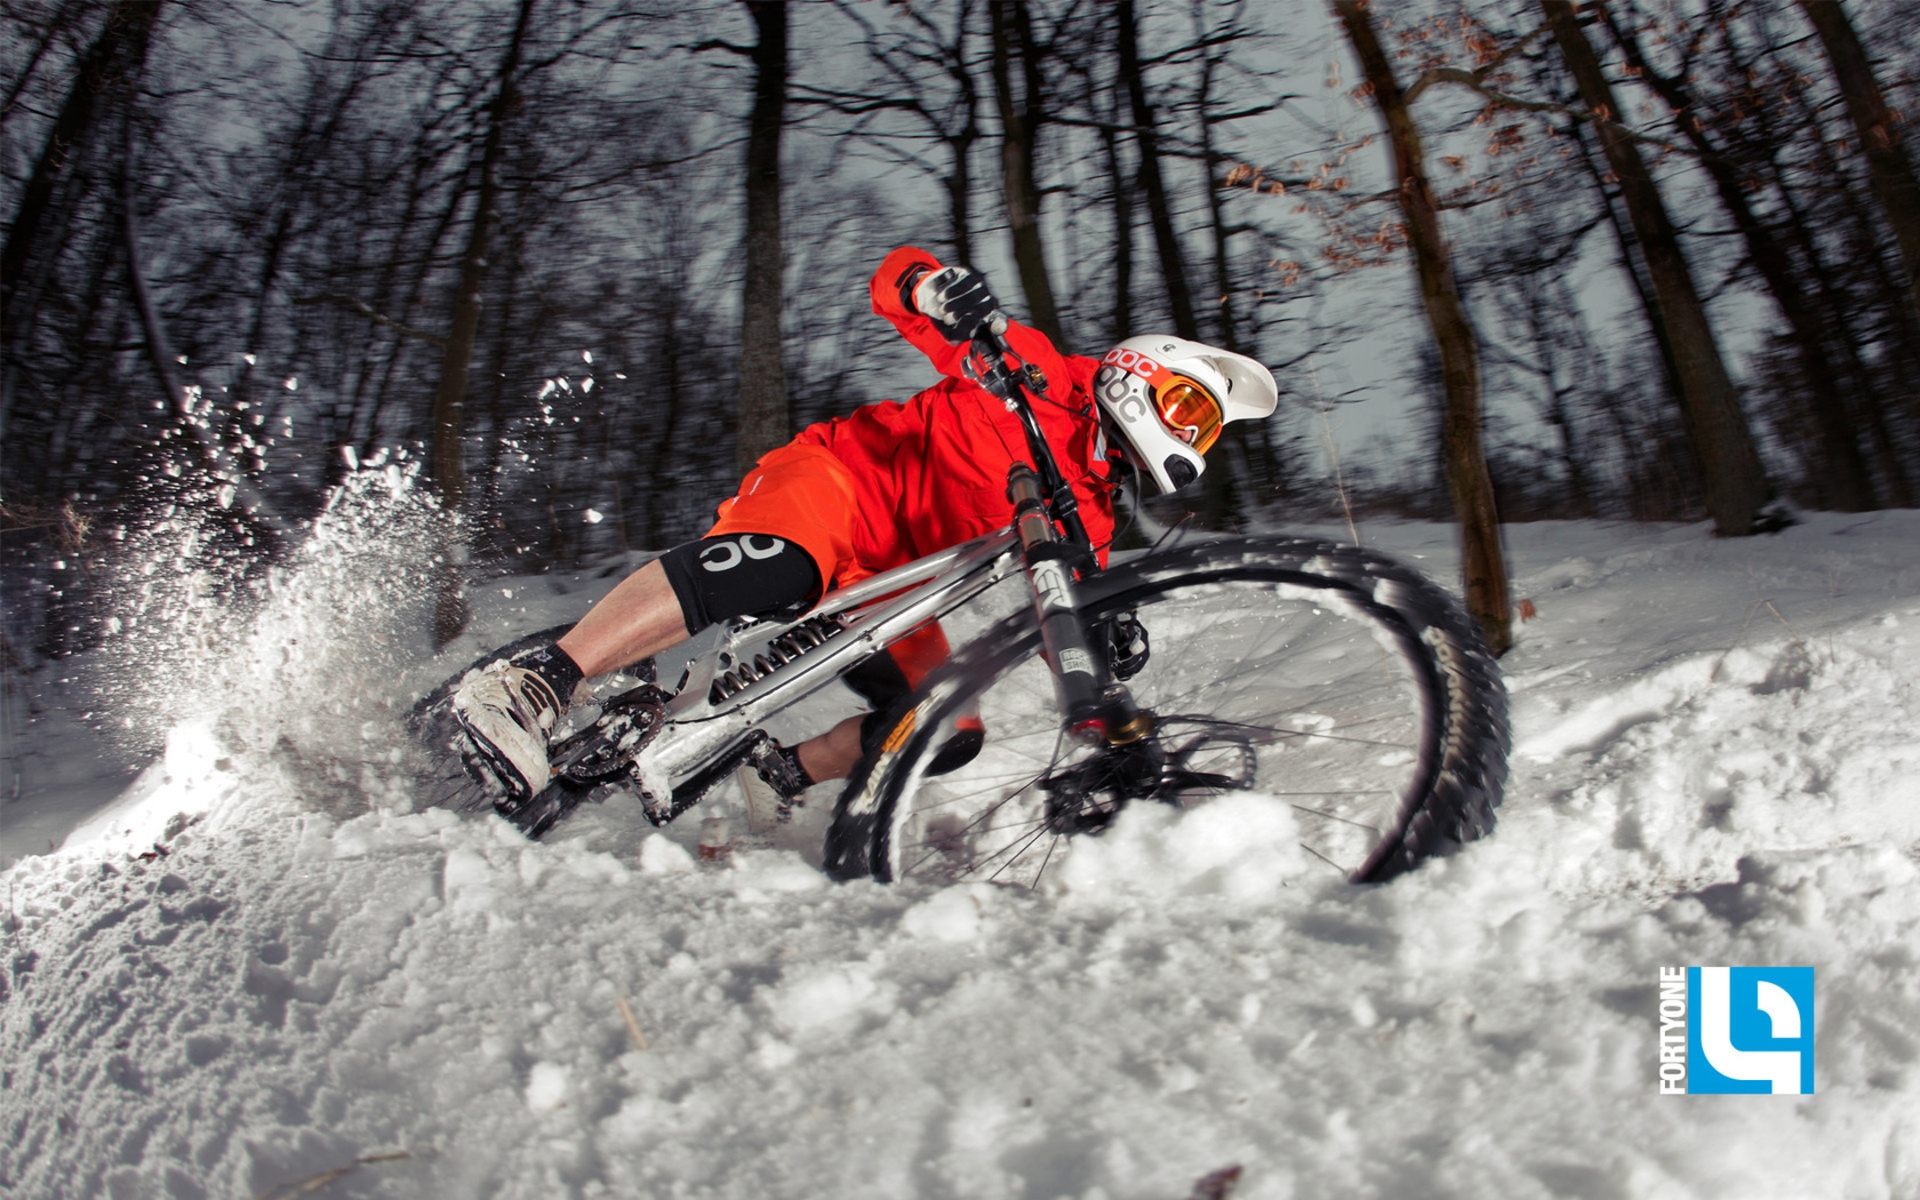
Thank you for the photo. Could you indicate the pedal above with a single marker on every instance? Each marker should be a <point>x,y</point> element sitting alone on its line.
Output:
<point>585,763</point>
<point>771,788</point>
<point>627,723</point>
<point>766,808</point>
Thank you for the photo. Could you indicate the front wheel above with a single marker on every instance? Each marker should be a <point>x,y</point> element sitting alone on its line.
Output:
<point>1325,677</point>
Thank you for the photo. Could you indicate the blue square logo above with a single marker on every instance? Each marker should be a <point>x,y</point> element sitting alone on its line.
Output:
<point>1750,1031</point>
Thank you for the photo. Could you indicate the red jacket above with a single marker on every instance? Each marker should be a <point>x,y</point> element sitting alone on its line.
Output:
<point>932,472</point>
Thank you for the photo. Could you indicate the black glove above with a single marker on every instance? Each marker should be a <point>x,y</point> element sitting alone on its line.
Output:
<point>957,300</point>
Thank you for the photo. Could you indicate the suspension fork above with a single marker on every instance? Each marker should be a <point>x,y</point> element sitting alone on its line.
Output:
<point>1094,706</point>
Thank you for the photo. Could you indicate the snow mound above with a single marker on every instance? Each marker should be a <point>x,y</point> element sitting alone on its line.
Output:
<point>306,976</point>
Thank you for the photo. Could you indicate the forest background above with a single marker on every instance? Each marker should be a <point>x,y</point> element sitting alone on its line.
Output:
<point>567,265</point>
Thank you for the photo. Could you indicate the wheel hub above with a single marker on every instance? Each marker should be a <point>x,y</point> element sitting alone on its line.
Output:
<point>1084,797</point>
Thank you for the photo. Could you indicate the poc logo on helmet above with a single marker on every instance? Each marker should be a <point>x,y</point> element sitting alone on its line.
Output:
<point>1736,1031</point>
<point>1131,360</point>
<point>1122,391</point>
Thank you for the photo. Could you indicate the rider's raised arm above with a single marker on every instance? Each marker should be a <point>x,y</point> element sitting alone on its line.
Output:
<point>891,286</point>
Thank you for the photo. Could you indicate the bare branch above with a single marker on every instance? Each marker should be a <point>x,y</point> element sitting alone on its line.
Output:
<point>365,310</point>
<point>1475,77</point>
<point>718,44</point>
<point>1471,81</point>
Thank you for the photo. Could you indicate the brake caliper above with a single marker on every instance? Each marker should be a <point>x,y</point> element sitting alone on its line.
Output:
<point>1126,643</point>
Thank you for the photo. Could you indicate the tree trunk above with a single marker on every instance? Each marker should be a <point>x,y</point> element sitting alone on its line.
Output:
<point>1483,563</point>
<point>451,613</point>
<point>1210,161</point>
<point>181,400</point>
<point>1223,491</point>
<point>1632,265</point>
<point>1735,483</point>
<point>1868,264</point>
<point>128,29</point>
<point>960,145</point>
<point>661,457</point>
<point>960,197</point>
<point>1894,182</point>
<point>500,390</point>
<point>1012,34</point>
<point>1146,135</point>
<point>764,421</point>
<point>1848,482</point>
<point>115,53</point>
<point>1122,268</point>
<point>1865,278</point>
<point>1831,296</point>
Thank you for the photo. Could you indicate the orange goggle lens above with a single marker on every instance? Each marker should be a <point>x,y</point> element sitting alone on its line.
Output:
<point>1191,413</point>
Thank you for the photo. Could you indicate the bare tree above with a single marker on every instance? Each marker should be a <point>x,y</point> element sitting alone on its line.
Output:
<point>1845,315</point>
<point>1146,134</point>
<point>451,613</point>
<point>1021,120</point>
<point>1846,480</point>
<point>927,74</point>
<point>1540,339</point>
<point>120,47</point>
<point>1483,562</point>
<point>1795,144</point>
<point>764,421</point>
<point>115,55</point>
<point>1735,483</point>
<point>1879,127</point>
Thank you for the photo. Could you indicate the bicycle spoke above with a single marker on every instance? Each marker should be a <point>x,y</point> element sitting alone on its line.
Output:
<point>1278,733</point>
<point>1023,846</point>
<point>1323,858</point>
<point>1320,812</point>
<point>1051,847</point>
<point>960,836</point>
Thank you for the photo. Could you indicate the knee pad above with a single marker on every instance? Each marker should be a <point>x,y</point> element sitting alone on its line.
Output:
<point>740,575</point>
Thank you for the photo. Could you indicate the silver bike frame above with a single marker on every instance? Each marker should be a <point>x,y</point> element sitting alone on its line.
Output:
<point>762,679</point>
<point>873,614</point>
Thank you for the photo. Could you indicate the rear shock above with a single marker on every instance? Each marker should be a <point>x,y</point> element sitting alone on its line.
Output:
<point>803,638</point>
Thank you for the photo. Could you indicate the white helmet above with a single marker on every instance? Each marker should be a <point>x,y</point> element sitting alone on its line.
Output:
<point>1168,399</point>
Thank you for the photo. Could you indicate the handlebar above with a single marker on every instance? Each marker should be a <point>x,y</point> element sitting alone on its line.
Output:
<point>995,375</point>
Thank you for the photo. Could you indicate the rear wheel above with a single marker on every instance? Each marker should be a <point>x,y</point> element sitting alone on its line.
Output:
<point>1325,677</point>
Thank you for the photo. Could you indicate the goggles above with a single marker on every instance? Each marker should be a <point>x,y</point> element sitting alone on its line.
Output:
<point>1190,413</point>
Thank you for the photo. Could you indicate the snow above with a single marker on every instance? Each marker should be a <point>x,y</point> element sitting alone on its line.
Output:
<point>1717,763</point>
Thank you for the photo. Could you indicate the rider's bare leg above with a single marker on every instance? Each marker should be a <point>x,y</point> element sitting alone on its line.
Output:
<point>636,620</point>
<point>641,617</point>
<point>832,754</point>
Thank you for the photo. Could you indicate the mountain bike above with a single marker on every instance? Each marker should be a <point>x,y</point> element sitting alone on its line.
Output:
<point>1326,677</point>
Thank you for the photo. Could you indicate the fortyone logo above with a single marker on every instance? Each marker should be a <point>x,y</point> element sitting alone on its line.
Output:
<point>1742,1030</point>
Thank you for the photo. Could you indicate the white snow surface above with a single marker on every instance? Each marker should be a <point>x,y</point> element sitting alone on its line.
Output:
<point>1717,756</point>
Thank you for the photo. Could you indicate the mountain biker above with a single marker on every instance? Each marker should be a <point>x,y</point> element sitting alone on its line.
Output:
<point>870,491</point>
